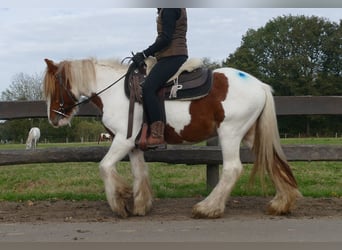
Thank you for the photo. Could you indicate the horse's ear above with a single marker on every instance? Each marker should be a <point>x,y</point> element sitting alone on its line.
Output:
<point>51,66</point>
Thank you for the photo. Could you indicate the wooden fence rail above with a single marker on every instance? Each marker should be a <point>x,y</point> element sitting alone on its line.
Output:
<point>191,155</point>
<point>285,105</point>
<point>210,155</point>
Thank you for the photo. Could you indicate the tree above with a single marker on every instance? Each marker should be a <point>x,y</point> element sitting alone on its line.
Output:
<point>16,130</point>
<point>24,87</point>
<point>210,64</point>
<point>296,55</point>
<point>88,130</point>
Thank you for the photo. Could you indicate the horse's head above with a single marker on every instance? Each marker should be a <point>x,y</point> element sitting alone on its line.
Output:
<point>59,96</point>
<point>28,145</point>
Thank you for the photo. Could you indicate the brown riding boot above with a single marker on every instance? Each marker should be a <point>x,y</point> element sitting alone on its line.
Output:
<point>156,138</point>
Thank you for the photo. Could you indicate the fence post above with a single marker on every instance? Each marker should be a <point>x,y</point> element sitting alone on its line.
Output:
<point>213,170</point>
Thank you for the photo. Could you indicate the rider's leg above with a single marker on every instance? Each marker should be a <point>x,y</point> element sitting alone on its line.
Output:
<point>164,69</point>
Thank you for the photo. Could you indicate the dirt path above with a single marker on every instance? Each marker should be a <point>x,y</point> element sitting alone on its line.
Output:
<point>163,210</point>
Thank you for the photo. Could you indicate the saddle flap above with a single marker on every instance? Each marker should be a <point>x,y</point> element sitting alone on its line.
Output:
<point>189,85</point>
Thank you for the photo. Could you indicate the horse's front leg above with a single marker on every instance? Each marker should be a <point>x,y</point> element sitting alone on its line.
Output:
<point>214,205</point>
<point>141,186</point>
<point>118,192</point>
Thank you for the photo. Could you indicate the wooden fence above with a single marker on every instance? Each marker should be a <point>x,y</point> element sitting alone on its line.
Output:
<point>209,155</point>
<point>285,105</point>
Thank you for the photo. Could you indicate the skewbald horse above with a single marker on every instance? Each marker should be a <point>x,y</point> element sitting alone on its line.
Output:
<point>104,137</point>
<point>239,108</point>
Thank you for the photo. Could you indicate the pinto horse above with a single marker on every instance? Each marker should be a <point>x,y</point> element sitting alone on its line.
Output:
<point>104,137</point>
<point>32,139</point>
<point>239,108</point>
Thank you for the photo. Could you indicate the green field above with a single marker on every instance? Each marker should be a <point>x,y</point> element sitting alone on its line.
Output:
<point>306,141</point>
<point>79,181</point>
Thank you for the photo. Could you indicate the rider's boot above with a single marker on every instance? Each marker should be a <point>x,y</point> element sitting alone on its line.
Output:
<point>156,138</point>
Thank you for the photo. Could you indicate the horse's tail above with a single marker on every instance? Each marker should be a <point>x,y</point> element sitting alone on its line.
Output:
<point>269,157</point>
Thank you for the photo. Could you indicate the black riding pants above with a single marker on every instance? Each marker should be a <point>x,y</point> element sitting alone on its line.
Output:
<point>162,71</point>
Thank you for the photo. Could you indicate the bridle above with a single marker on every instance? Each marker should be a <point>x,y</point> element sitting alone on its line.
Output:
<point>62,109</point>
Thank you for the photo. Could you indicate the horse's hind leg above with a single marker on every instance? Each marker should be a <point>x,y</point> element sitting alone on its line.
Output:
<point>142,193</point>
<point>118,192</point>
<point>214,205</point>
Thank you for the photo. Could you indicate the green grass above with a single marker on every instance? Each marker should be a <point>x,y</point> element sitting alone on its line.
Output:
<point>313,141</point>
<point>81,181</point>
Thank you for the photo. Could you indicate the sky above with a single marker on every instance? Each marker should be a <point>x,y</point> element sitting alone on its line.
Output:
<point>28,35</point>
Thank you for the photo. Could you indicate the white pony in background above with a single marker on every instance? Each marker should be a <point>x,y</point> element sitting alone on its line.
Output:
<point>32,139</point>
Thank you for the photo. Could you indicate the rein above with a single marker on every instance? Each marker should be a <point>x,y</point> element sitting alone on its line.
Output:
<point>62,109</point>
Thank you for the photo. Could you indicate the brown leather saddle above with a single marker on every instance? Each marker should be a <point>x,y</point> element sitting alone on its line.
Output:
<point>187,86</point>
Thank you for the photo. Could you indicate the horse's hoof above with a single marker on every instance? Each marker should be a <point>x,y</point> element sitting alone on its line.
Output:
<point>124,202</point>
<point>273,210</point>
<point>125,210</point>
<point>199,213</point>
<point>141,208</point>
<point>141,211</point>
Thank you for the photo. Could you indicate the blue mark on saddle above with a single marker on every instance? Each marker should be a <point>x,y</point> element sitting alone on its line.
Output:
<point>242,75</point>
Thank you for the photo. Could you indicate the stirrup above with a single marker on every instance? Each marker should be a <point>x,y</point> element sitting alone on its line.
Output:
<point>157,146</point>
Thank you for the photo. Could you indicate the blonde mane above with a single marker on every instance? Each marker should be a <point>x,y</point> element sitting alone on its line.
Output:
<point>49,86</point>
<point>112,63</point>
<point>80,74</point>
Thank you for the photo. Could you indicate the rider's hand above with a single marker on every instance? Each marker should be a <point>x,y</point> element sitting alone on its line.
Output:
<point>138,59</point>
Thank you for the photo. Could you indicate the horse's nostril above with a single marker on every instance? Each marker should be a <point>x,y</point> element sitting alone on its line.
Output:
<point>54,121</point>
